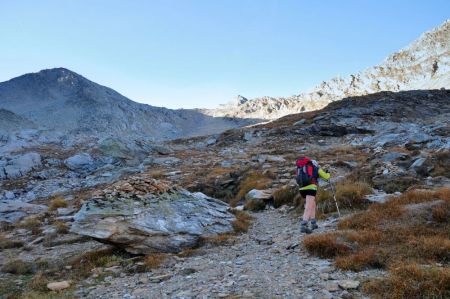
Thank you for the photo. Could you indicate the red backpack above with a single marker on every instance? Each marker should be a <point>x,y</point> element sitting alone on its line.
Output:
<point>307,172</point>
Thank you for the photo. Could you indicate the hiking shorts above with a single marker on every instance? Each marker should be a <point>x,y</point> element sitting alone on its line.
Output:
<point>311,192</point>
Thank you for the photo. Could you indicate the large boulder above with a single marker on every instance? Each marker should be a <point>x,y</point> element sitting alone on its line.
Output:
<point>20,165</point>
<point>80,162</point>
<point>143,215</point>
<point>116,148</point>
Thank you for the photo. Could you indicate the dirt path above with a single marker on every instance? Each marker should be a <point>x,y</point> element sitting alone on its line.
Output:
<point>267,262</point>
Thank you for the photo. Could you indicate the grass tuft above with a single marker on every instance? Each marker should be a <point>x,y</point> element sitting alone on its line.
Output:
<point>254,205</point>
<point>362,259</point>
<point>154,260</point>
<point>39,282</point>
<point>242,223</point>
<point>18,267</point>
<point>411,281</point>
<point>325,245</point>
<point>61,227</point>
<point>6,243</point>
<point>285,196</point>
<point>253,180</point>
<point>57,202</point>
<point>30,223</point>
<point>349,195</point>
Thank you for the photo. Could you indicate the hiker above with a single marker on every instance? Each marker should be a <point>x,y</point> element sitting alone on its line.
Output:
<point>308,172</point>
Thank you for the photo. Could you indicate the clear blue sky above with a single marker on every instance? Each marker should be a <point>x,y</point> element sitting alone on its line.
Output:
<point>199,53</point>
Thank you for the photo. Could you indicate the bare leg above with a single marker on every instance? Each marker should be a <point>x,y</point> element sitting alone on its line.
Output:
<point>310,208</point>
<point>312,214</point>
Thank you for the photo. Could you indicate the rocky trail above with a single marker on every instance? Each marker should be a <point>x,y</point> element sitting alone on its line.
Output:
<point>267,262</point>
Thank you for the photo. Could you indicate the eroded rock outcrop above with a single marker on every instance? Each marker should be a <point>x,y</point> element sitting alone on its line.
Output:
<point>144,215</point>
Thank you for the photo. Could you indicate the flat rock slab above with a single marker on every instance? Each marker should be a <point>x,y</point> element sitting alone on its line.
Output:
<point>349,284</point>
<point>57,286</point>
<point>14,210</point>
<point>144,215</point>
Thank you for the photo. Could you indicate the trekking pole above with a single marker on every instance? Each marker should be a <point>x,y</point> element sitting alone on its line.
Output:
<point>334,196</point>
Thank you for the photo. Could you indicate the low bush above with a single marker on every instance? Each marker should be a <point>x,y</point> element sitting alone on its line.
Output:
<point>18,267</point>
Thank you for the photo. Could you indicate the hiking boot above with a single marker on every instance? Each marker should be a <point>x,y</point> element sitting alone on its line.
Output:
<point>305,229</point>
<point>314,226</point>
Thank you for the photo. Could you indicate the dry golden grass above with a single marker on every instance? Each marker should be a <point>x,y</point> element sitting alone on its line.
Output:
<point>407,230</point>
<point>400,149</point>
<point>434,248</point>
<point>362,259</point>
<point>411,281</point>
<point>441,213</point>
<point>30,223</point>
<point>217,240</point>
<point>242,223</point>
<point>218,171</point>
<point>188,252</point>
<point>325,245</point>
<point>341,150</point>
<point>253,180</point>
<point>57,202</point>
<point>352,193</point>
<point>6,243</point>
<point>441,162</point>
<point>349,195</point>
<point>154,260</point>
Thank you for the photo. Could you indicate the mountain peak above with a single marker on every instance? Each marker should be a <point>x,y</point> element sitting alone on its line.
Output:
<point>423,64</point>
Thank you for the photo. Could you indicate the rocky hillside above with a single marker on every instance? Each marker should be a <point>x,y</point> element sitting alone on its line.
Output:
<point>10,121</point>
<point>393,147</point>
<point>62,101</point>
<point>424,64</point>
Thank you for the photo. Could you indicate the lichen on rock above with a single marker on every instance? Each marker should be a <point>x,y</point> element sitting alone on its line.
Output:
<point>144,215</point>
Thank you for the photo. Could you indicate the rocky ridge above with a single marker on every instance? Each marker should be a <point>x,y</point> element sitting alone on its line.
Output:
<point>424,64</point>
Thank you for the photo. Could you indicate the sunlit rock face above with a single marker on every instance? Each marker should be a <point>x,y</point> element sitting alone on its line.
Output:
<point>143,215</point>
<point>424,64</point>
